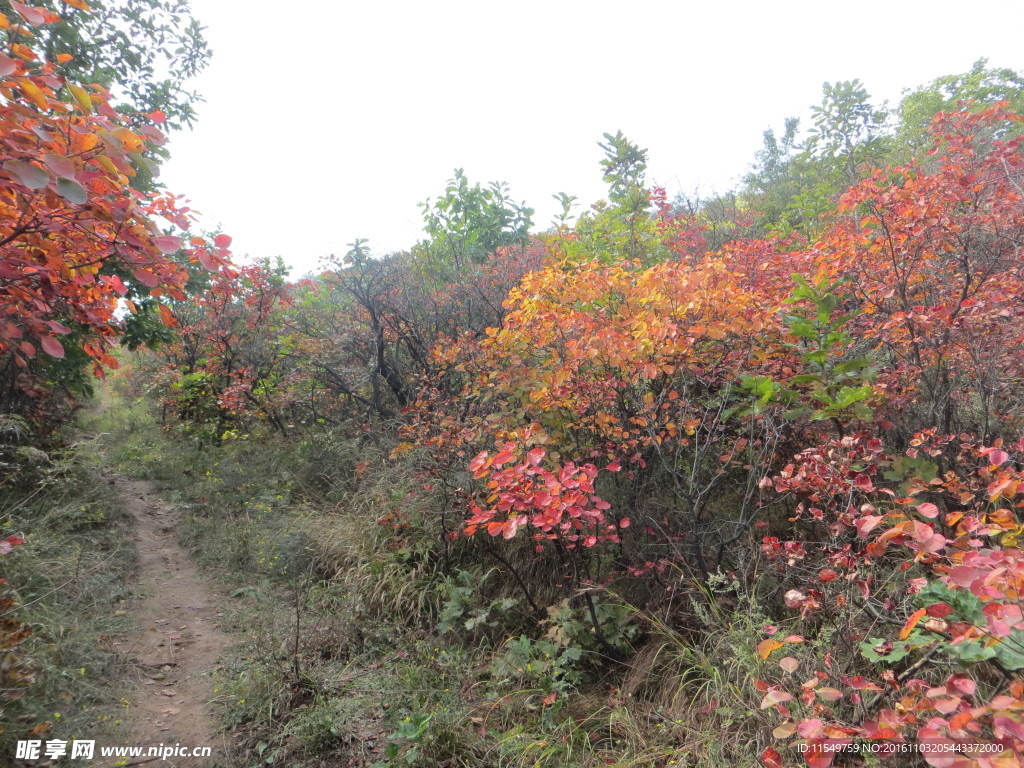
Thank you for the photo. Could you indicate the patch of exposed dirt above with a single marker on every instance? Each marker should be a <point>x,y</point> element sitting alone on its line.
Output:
<point>178,644</point>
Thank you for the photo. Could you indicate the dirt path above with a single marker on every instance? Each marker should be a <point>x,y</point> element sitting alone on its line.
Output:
<point>178,643</point>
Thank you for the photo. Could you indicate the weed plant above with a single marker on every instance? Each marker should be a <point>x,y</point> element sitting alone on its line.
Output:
<point>68,585</point>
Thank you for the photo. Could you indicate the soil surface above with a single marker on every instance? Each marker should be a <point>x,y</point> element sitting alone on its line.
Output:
<point>178,643</point>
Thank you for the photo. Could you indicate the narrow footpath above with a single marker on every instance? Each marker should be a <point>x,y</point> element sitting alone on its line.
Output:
<point>178,643</point>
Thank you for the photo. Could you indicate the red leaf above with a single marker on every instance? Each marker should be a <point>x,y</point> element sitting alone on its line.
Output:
<point>863,483</point>
<point>222,241</point>
<point>7,65</point>
<point>118,285</point>
<point>866,523</point>
<point>30,15</point>
<point>998,457</point>
<point>51,346</point>
<point>811,728</point>
<point>208,263</point>
<point>964,684</point>
<point>947,706</point>
<point>502,458</point>
<point>61,166</point>
<point>965,575</point>
<point>167,243</point>
<point>860,684</point>
<point>58,327</point>
<point>146,277</point>
<point>939,610</point>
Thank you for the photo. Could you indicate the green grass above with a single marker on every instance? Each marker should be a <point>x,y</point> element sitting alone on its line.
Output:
<point>68,584</point>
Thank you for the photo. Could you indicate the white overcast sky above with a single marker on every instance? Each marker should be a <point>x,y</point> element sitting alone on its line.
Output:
<point>327,120</point>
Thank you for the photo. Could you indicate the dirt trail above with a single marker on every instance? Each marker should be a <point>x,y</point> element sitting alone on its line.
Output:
<point>178,643</point>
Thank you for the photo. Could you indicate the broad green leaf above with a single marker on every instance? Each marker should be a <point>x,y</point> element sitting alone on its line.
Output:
<point>72,191</point>
<point>32,176</point>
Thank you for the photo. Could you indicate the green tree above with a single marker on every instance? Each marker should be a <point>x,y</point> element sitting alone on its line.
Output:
<point>144,51</point>
<point>776,176</point>
<point>848,130</point>
<point>794,184</point>
<point>621,227</point>
<point>976,89</point>
<point>470,222</point>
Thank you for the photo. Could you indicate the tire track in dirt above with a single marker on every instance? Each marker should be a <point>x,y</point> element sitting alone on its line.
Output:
<point>178,643</point>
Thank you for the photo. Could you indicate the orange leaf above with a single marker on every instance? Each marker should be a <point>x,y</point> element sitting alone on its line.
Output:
<point>912,622</point>
<point>81,97</point>
<point>168,317</point>
<point>131,141</point>
<point>34,93</point>
<point>766,647</point>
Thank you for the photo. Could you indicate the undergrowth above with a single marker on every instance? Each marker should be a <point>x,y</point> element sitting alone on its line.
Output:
<point>371,640</point>
<point>66,592</point>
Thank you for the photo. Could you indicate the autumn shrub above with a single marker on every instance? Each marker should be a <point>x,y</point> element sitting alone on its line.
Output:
<point>78,237</point>
<point>924,542</point>
<point>932,253</point>
<point>662,493</point>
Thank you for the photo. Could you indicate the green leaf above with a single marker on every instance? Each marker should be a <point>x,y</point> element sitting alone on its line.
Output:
<point>849,395</point>
<point>803,330</point>
<point>826,306</point>
<point>72,191</point>
<point>807,378</point>
<point>900,648</point>
<point>32,176</point>
<point>851,366</point>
